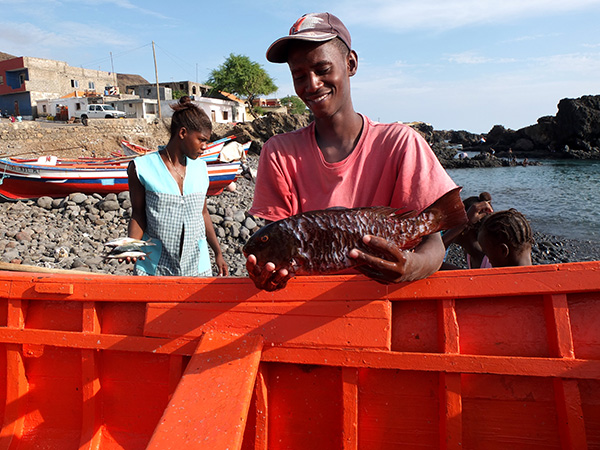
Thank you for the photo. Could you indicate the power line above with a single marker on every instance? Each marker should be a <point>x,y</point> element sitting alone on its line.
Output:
<point>116,55</point>
<point>174,58</point>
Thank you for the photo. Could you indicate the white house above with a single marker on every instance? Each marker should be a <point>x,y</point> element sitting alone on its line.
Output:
<point>218,110</point>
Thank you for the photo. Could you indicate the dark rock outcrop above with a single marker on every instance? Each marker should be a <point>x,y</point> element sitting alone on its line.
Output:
<point>573,133</point>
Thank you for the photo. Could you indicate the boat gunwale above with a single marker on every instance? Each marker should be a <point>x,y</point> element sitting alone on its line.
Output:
<point>551,279</point>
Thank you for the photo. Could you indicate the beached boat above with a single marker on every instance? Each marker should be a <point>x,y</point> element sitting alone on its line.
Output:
<point>472,359</point>
<point>211,154</point>
<point>55,177</point>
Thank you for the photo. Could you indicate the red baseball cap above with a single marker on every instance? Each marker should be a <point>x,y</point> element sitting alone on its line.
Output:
<point>313,27</point>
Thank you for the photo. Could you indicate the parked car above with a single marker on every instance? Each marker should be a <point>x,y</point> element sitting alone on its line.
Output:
<point>99,111</point>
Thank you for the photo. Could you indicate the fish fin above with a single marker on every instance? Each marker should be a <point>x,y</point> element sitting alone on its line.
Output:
<point>450,208</point>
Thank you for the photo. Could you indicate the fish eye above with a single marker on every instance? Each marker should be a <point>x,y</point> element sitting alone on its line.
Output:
<point>264,238</point>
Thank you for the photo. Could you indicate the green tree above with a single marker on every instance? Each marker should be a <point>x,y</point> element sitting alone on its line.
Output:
<point>178,94</point>
<point>245,78</point>
<point>294,104</point>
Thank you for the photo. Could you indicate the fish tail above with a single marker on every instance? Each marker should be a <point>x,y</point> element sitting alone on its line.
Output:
<point>450,208</point>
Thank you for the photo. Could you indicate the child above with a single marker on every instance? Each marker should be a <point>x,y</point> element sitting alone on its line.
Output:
<point>466,236</point>
<point>168,196</point>
<point>506,238</point>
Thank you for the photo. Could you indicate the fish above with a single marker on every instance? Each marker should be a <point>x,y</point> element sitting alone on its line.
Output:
<point>127,254</point>
<point>126,247</point>
<point>128,240</point>
<point>318,242</point>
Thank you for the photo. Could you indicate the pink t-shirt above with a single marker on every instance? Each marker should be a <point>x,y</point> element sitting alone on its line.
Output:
<point>392,165</point>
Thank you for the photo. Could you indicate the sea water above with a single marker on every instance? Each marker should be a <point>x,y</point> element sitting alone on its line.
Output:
<point>558,197</point>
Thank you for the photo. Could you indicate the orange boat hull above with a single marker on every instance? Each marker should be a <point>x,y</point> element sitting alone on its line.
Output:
<point>479,359</point>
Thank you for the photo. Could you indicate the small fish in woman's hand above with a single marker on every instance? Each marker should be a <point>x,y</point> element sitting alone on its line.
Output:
<point>123,255</point>
<point>126,247</point>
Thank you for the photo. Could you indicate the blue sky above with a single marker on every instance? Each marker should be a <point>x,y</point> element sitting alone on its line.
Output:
<point>457,64</point>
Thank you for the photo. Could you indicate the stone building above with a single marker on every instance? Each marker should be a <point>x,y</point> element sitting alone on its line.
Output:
<point>25,80</point>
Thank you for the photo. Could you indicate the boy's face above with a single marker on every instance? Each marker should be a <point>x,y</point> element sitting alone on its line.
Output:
<point>496,252</point>
<point>321,74</point>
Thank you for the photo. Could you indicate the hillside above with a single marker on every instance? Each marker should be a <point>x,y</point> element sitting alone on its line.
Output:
<point>5,56</point>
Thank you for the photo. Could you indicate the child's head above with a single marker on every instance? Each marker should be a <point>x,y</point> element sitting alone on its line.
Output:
<point>189,116</point>
<point>506,238</point>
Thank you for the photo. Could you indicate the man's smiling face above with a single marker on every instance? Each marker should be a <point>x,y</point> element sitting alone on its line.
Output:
<point>321,74</point>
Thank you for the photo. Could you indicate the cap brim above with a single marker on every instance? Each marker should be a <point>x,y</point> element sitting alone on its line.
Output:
<point>277,52</point>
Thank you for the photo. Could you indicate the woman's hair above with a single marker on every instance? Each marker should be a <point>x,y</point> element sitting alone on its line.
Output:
<point>187,114</point>
<point>509,227</point>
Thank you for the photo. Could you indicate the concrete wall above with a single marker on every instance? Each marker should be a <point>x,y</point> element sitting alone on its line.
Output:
<point>101,136</point>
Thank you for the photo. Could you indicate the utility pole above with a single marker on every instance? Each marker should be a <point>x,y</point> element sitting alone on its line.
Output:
<point>157,85</point>
<point>112,66</point>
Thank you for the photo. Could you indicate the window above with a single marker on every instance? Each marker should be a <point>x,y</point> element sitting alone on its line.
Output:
<point>193,90</point>
<point>225,115</point>
<point>1,79</point>
<point>149,91</point>
<point>78,106</point>
<point>44,109</point>
<point>181,86</point>
<point>22,78</point>
<point>74,83</point>
<point>91,85</point>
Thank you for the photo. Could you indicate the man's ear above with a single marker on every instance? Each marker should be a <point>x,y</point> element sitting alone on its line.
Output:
<point>352,63</point>
<point>504,250</point>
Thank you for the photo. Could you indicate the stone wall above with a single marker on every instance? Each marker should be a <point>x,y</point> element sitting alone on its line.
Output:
<point>101,137</point>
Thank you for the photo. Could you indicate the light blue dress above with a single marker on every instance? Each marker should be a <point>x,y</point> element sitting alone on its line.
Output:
<point>169,214</point>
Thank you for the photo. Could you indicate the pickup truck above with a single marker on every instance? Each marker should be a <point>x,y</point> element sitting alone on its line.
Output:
<point>98,111</point>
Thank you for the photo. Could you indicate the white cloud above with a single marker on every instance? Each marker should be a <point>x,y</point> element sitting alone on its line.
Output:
<point>474,58</point>
<point>407,15</point>
<point>573,63</point>
<point>122,4</point>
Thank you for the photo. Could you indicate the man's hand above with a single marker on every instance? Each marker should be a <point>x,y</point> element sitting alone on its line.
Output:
<point>267,277</point>
<point>401,265</point>
<point>478,211</point>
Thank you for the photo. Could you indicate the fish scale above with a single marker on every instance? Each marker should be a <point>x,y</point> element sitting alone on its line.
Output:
<point>318,242</point>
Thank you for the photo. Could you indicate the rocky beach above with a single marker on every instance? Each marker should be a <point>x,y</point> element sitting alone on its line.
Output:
<point>70,233</point>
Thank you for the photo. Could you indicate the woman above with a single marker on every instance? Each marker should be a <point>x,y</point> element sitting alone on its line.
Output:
<point>168,196</point>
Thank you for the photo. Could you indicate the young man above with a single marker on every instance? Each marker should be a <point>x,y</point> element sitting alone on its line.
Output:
<point>343,159</point>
